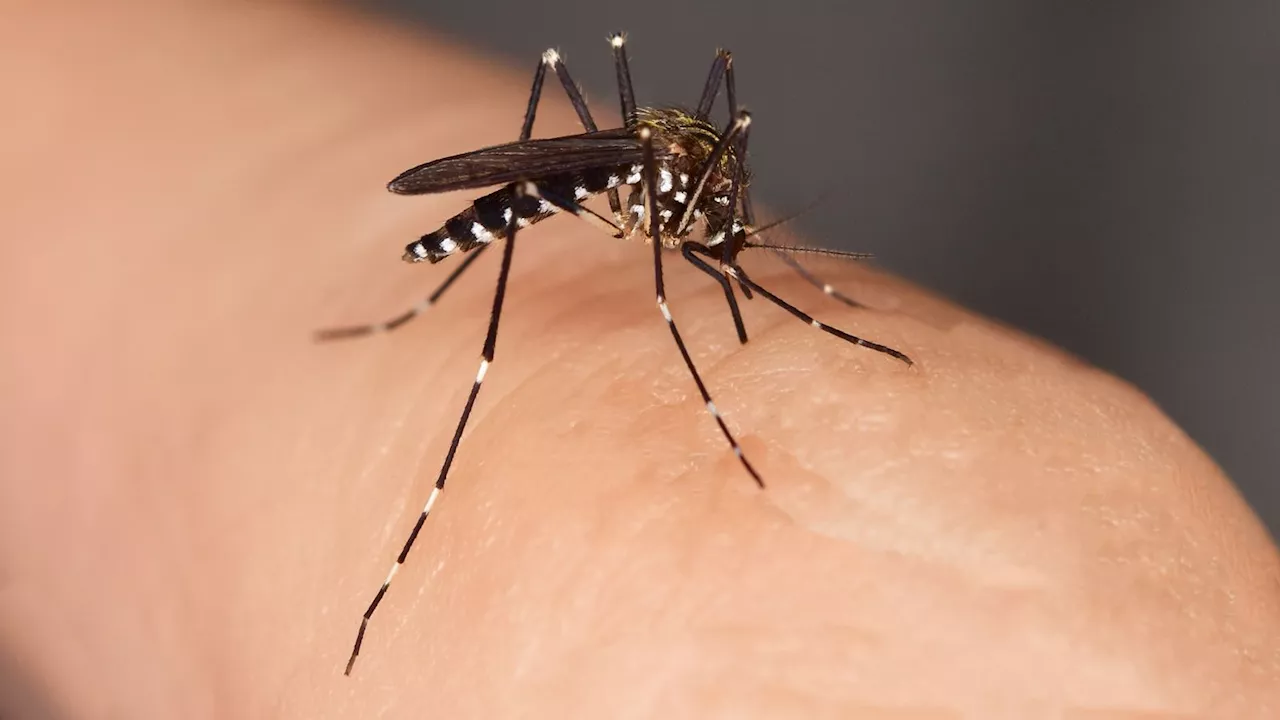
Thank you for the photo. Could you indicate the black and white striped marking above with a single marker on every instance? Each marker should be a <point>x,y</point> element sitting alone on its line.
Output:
<point>650,182</point>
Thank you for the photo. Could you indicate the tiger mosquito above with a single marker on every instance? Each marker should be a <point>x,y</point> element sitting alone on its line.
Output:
<point>681,170</point>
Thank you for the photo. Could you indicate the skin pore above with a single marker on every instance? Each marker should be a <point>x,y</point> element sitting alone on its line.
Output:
<point>197,501</point>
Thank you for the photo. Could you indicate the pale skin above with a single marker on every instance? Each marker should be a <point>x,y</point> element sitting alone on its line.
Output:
<point>197,501</point>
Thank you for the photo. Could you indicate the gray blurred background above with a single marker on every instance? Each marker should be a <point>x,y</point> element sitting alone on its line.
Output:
<point>1102,174</point>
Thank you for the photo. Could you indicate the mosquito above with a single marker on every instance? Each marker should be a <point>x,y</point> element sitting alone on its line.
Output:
<point>682,172</point>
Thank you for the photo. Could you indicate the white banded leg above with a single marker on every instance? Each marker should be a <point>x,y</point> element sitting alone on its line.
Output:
<point>650,181</point>
<point>622,68</point>
<point>731,98</point>
<point>486,358</point>
<point>737,272</point>
<point>729,232</point>
<point>687,249</point>
<point>815,281</point>
<point>784,253</point>
<point>553,59</point>
<point>404,317</point>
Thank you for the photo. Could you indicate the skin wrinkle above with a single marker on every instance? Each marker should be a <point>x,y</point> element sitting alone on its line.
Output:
<point>1001,532</point>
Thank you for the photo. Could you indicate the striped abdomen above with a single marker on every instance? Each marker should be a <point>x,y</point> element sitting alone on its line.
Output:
<point>487,218</point>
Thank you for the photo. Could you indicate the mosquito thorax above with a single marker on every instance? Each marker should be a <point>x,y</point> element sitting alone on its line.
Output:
<point>687,144</point>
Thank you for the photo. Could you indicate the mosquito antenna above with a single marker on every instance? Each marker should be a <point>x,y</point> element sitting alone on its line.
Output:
<point>796,249</point>
<point>785,253</point>
<point>753,232</point>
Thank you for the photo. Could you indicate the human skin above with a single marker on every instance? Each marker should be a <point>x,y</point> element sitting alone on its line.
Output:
<point>197,501</point>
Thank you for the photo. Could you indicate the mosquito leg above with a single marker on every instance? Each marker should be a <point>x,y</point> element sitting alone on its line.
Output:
<point>746,291</point>
<point>731,96</point>
<point>635,204</point>
<point>729,245</point>
<point>719,66</point>
<point>627,103</point>
<point>688,250</point>
<point>809,277</point>
<point>748,210</point>
<point>817,282</point>
<point>404,317</point>
<point>742,275</point>
<point>552,58</point>
<point>650,180</point>
<point>722,67</point>
<point>535,94</point>
<point>486,358</point>
<point>728,241</point>
<point>626,93</point>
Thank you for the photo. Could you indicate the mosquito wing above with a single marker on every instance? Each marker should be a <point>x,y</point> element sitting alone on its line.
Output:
<point>526,160</point>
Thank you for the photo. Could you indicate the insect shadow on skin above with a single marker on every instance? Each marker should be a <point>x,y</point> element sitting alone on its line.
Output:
<point>681,171</point>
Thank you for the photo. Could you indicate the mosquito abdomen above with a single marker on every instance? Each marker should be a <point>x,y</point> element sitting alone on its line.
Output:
<point>487,218</point>
<point>482,223</point>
